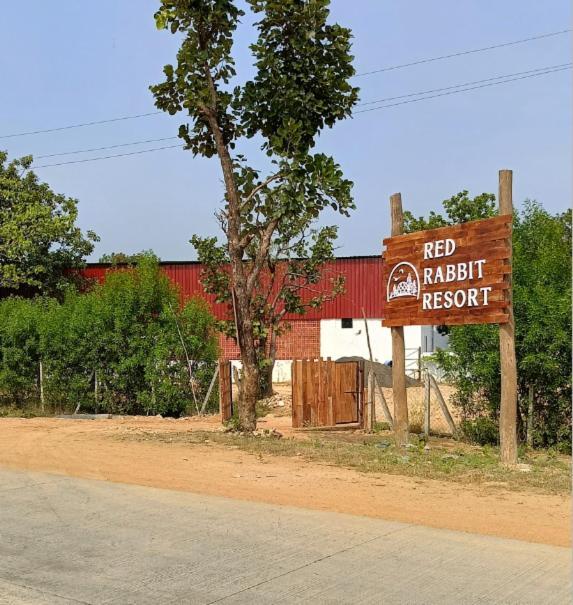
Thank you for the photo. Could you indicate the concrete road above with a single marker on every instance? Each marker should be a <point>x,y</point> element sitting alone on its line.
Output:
<point>65,540</point>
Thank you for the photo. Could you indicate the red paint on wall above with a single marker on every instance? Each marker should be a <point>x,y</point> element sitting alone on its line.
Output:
<point>363,287</point>
<point>301,340</point>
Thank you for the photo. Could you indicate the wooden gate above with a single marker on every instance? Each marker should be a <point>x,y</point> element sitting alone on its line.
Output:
<point>326,393</point>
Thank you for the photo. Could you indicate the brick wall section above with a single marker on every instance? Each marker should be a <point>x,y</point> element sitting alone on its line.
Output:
<point>301,341</point>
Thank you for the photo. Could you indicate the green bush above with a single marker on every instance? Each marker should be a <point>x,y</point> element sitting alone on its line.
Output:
<point>482,431</point>
<point>124,347</point>
<point>542,308</point>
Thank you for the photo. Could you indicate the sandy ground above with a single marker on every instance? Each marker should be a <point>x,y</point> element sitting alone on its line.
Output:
<point>94,449</point>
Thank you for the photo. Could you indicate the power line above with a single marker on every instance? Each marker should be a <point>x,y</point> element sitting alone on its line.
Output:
<point>506,78</point>
<point>69,127</point>
<point>461,53</point>
<point>367,73</point>
<point>107,157</point>
<point>453,92</point>
<point>53,155</point>
<point>424,92</point>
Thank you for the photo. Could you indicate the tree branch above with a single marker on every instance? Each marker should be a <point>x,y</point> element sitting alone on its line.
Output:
<point>260,186</point>
<point>262,253</point>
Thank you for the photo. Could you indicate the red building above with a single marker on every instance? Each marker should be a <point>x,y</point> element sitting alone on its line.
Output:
<point>336,329</point>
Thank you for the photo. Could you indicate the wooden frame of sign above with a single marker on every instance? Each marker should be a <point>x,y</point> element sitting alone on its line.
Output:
<point>447,276</point>
<point>453,275</point>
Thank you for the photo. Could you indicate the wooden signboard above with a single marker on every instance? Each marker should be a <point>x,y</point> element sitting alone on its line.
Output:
<point>450,275</point>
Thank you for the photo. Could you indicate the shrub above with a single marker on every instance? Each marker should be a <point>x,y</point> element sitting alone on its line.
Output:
<point>482,431</point>
<point>124,347</point>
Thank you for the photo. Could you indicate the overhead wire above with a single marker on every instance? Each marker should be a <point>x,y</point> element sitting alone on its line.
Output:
<point>70,126</point>
<point>462,53</point>
<point>107,157</point>
<point>465,87</point>
<point>423,92</point>
<point>366,73</point>
<point>52,155</point>
<point>453,92</point>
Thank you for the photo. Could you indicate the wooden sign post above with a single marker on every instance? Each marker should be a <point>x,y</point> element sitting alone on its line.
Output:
<point>453,275</point>
<point>508,402</point>
<point>399,394</point>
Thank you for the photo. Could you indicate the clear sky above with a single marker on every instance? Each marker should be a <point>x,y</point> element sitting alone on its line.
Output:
<point>72,61</point>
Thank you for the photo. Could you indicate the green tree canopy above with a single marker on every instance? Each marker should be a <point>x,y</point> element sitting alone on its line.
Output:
<point>301,85</point>
<point>39,239</point>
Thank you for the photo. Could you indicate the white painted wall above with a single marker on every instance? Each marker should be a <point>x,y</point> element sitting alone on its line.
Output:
<point>432,340</point>
<point>336,341</point>
<point>281,371</point>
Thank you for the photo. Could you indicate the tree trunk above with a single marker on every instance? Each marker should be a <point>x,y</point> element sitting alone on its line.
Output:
<point>266,380</point>
<point>248,398</point>
<point>266,371</point>
<point>239,278</point>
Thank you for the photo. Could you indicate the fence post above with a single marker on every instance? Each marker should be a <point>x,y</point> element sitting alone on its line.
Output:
<point>530,398</point>
<point>427,404</point>
<point>209,390</point>
<point>42,401</point>
<point>372,389</point>
<point>96,390</point>
<point>225,391</point>
<point>366,404</point>
<point>443,405</point>
<point>384,403</point>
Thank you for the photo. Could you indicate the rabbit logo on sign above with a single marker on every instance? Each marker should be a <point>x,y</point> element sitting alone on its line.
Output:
<point>403,281</point>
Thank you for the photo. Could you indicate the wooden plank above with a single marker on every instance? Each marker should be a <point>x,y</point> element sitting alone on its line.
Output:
<point>321,400</point>
<point>449,231</point>
<point>474,251</point>
<point>304,394</point>
<point>496,236</point>
<point>314,400</point>
<point>346,399</point>
<point>297,393</point>
<point>330,393</point>
<point>293,383</point>
<point>325,418</point>
<point>497,317</point>
<point>500,232</point>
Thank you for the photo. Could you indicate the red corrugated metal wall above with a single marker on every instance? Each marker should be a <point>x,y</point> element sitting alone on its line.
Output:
<point>300,341</point>
<point>363,286</point>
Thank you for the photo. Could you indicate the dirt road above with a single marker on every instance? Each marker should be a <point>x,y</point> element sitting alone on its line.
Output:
<point>97,449</point>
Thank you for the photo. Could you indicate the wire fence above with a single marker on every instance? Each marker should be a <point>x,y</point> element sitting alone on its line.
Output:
<point>417,394</point>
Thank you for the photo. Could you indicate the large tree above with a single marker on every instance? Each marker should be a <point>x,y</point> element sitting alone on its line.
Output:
<point>39,239</point>
<point>302,67</point>
<point>542,310</point>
